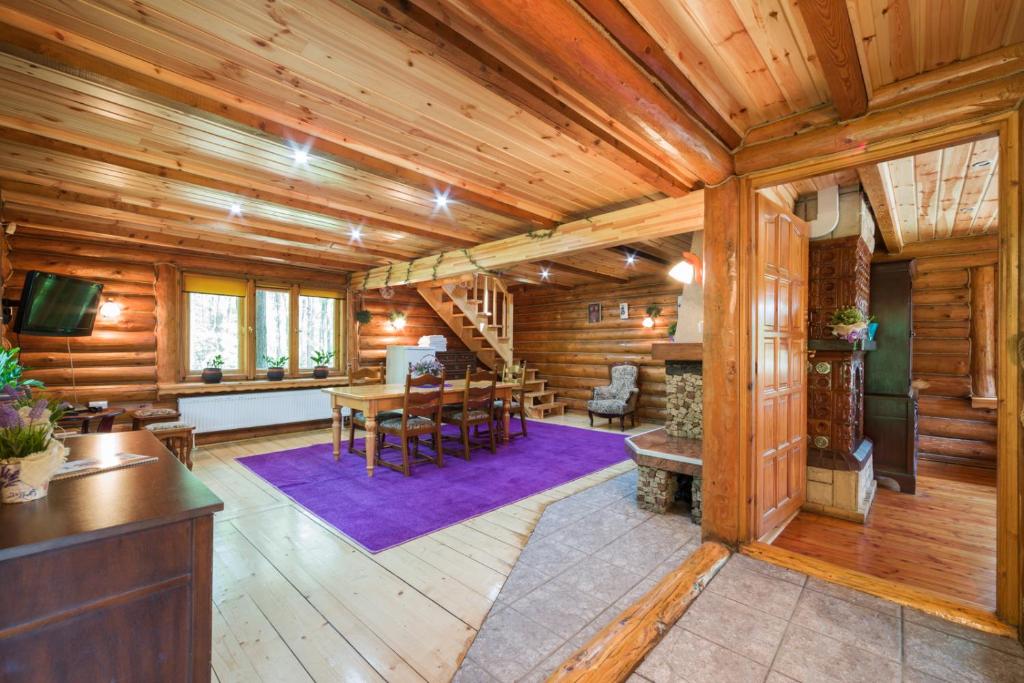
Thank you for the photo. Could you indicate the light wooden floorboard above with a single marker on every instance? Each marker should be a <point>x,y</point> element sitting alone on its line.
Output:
<point>294,600</point>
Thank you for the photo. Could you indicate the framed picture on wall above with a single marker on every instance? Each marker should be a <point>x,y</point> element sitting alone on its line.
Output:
<point>594,313</point>
<point>623,311</point>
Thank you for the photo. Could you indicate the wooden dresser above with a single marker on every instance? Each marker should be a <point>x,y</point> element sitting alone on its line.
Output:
<point>109,578</point>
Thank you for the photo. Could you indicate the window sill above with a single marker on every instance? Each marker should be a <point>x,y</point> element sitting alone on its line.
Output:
<point>245,386</point>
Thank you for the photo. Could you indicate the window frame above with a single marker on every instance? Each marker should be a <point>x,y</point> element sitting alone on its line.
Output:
<point>247,330</point>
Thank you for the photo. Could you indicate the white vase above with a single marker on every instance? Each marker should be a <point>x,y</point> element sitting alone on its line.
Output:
<point>28,478</point>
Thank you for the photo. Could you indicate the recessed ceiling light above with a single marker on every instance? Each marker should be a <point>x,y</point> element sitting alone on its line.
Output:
<point>630,259</point>
<point>235,210</point>
<point>441,198</point>
<point>966,209</point>
<point>982,164</point>
<point>300,155</point>
<point>545,273</point>
<point>355,234</point>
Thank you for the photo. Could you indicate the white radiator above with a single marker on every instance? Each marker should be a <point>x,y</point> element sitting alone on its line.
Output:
<point>222,412</point>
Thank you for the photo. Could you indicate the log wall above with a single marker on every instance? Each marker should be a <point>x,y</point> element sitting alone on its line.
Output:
<point>118,363</point>
<point>420,320</point>
<point>552,335</point>
<point>950,429</point>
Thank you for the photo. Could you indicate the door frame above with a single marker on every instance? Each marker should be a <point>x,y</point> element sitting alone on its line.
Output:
<point>730,495</point>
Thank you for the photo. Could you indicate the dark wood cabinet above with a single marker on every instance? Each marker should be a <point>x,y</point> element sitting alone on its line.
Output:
<point>890,401</point>
<point>109,578</point>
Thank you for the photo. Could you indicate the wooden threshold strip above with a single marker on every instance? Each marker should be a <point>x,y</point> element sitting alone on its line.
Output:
<point>616,650</point>
<point>919,598</point>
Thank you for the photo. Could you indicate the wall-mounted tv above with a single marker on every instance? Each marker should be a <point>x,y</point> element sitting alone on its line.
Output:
<point>57,306</point>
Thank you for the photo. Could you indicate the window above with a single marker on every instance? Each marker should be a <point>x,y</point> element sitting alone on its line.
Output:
<point>272,325</point>
<point>246,322</point>
<point>317,330</point>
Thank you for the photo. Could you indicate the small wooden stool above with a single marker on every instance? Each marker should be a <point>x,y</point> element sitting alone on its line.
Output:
<point>177,436</point>
<point>147,416</point>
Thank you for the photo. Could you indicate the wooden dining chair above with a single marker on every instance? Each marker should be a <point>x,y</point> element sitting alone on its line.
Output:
<point>360,377</point>
<point>421,415</point>
<point>517,405</point>
<point>477,409</point>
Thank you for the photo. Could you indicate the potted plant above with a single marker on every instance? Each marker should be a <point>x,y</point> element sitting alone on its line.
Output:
<point>653,313</point>
<point>850,324</point>
<point>29,455</point>
<point>672,329</point>
<point>320,360</point>
<point>363,317</point>
<point>212,373</point>
<point>11,370</point>
<point>428,365</point>
<point>275,367</point>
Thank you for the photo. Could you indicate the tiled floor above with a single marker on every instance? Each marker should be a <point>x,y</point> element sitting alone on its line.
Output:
<point>593,553</point>
<point>589,557</point>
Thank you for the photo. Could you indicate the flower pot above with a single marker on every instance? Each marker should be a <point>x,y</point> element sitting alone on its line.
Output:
<point>28,478</point>
<point>275,374</point>
<point>321,372</point>
<point>212,375</point>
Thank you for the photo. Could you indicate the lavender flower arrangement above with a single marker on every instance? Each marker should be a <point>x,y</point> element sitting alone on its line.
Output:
<point>428,365</point>
<point>849,323</point>
<point>26,428</point>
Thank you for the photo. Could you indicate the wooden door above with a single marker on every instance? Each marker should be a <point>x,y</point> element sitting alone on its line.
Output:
<point>780,401</point>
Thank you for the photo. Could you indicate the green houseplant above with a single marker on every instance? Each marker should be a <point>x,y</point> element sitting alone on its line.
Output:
<point>212,373</point>
<point>11,371</point>
<point>321,359</point>
<point>275,367</point>
<point>363,316</point>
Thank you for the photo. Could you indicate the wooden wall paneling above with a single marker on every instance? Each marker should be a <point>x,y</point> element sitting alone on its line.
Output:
<point>727,422</point>
<point>983,332</point>
<point>554,336</point>
<point>168,287</point>
<point>375,336</point>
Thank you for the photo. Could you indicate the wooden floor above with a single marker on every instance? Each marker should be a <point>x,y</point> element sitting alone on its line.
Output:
<point>296,601</point>
<point>942,539</point>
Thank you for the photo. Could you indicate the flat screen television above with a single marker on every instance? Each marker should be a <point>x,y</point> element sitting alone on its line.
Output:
<point>57,306</point>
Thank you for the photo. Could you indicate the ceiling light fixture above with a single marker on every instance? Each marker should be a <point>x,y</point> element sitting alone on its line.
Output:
<point>355,234</point>
<point>441,198</point>
<point>545,273</point>
<point>300,152</point>
<point>630,259</point>
<point>688,270</point>
<point>110,310</point>
<point>982,164</point>
<point>235,210</point>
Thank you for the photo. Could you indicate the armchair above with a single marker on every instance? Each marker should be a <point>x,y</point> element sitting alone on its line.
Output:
<point>619,398</point>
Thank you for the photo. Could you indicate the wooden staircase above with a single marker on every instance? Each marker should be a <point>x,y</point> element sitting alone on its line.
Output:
<point>479,310</point>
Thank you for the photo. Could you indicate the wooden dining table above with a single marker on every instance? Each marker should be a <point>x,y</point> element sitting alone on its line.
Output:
<point>373,399</point>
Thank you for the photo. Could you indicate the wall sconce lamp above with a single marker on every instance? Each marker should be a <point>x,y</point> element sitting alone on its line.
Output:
<point>653,313</point>
<point>396,320</point>
<point>110,310</point>
<point>688,270</point>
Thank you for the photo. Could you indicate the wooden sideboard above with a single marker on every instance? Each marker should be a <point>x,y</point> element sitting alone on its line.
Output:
<point>110,576</point>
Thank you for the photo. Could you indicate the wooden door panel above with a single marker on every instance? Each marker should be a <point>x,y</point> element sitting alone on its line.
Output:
<point>781,329</point>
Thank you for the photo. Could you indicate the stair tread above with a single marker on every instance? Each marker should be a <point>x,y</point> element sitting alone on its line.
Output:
<point>534,394</point>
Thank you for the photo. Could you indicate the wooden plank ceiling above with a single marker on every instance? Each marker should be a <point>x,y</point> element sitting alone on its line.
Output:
<point>346,135</point>
<point>950,192</point>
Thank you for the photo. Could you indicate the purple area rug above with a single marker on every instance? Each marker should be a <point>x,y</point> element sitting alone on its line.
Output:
<point>390,509</point>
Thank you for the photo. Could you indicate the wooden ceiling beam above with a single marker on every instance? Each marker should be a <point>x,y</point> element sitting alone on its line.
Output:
<point>878,197</point>
<point>239,187</point>
<point>659,218</point>
<point>79,52</point>
<point>634,39</point>
<point>419,30</point>
<point>831,33</point>
<point>16,190</point>
<point>853,137</point>
<point>572,52</point>
<point>564,266</point>
<point>204,245</point>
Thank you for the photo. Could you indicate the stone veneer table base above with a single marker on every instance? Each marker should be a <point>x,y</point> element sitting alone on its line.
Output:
<point>661,458</point>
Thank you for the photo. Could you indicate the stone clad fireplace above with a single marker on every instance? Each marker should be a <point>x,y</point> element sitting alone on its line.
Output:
<point>684,398</point>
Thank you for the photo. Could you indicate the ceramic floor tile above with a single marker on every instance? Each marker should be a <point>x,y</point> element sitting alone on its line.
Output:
<point>813,657</point>
<point>541,672</point>
<point>769,569</point>
<point>762,592</point>
<point>560,609</point>
<point>603,580</point>
<point>1001,643</point>
<point>776,677</point>
<point>521,580</point>
<point>743,629</point>
<point>644,547</point>
<point>471,672</point>
<point>590,534</point>
<point>882,605</point>
<point>685,656</point>
<point>957,659</point>
<point>911,675</point>
<point>550,558</point>
<point>863,627</point>
<point>509,644</point>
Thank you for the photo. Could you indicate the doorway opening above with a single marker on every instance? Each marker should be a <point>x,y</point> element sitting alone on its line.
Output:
<point>896,377</point>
